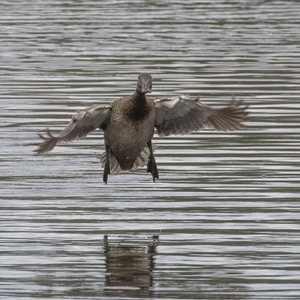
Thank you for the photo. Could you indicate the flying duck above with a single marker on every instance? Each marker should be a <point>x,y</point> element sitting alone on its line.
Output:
<point>129,122</point>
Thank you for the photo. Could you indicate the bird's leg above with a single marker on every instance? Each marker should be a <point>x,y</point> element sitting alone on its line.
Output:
<point>151,166</point>
<point>106,166</point>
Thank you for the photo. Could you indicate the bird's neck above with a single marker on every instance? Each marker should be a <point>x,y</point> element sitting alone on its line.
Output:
<point>139,97</point>
<point>139,108</point>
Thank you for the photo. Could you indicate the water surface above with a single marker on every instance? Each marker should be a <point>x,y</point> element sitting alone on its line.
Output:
<point>226,208</point>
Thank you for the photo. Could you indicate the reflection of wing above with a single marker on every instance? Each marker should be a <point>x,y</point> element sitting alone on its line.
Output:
<point>183,114</point>
<point>85,121</point>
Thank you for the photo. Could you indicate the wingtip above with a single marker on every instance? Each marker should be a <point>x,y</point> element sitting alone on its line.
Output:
<point>48,143</point>
<point>239,104</point>
<point>231,117</point>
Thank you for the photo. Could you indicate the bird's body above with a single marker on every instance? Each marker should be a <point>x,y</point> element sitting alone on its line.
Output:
<point>130,128</point>
<point>129,123</point>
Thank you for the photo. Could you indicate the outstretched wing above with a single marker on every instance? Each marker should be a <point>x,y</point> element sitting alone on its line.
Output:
<point>85,121</point>
<point>183,114</point>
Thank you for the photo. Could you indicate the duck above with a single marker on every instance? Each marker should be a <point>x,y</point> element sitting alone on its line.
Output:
<point>129,124</point>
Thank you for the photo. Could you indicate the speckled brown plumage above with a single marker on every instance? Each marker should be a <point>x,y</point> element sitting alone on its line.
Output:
<point>129,122</point>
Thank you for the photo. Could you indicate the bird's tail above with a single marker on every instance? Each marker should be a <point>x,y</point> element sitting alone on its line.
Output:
<point>115,166</point>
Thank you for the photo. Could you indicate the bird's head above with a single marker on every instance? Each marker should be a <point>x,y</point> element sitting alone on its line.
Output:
<point>144,84</point>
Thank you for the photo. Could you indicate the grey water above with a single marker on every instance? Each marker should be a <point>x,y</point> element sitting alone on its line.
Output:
<point>222,222</point>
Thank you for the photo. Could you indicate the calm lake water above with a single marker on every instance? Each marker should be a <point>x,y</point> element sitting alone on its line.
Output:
<point>223,220</point>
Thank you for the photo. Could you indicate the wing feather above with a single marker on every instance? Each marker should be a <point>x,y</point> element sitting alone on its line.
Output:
<point>85,121</point>
<point>184,114</point>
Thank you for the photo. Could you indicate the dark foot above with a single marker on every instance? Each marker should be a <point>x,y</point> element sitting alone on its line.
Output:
<point>105,173</point>
<point>152,167</point>
<point>106,167</point>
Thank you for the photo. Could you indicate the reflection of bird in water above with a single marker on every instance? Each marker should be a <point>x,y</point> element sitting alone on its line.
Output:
<point>129,122</point>
<point>129,268</point>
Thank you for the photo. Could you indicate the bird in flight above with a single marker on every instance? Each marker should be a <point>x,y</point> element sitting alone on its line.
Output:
<point>129,123</point>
